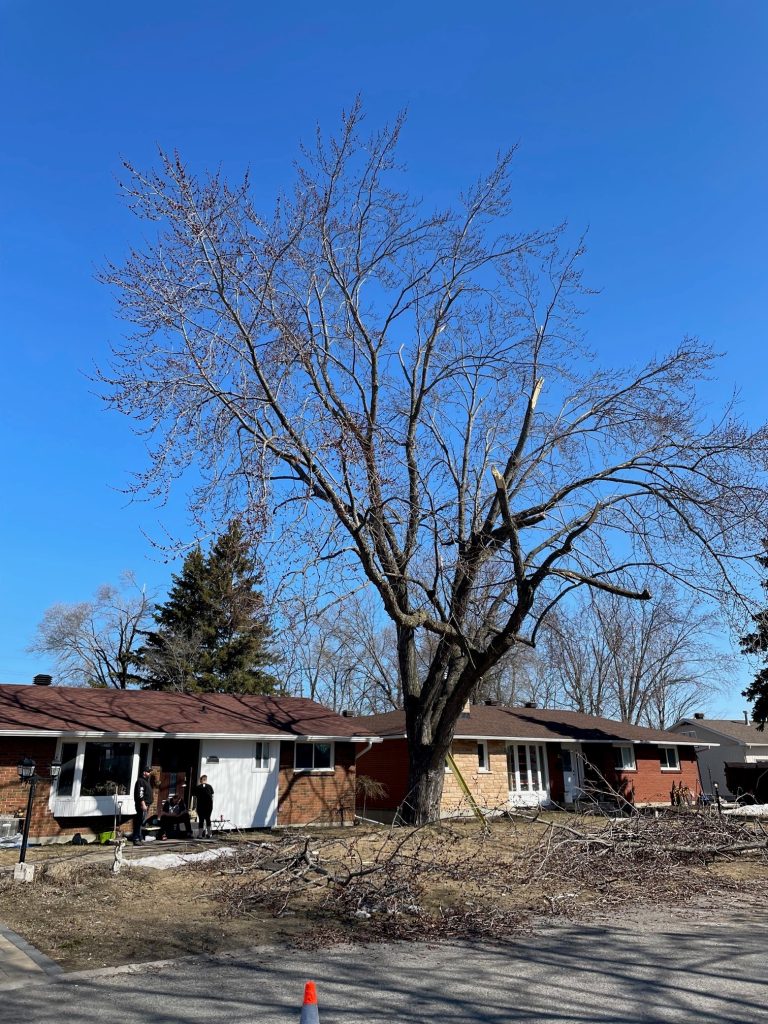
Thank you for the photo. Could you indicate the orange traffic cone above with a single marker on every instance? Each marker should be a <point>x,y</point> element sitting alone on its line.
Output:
<point>309,1011</point>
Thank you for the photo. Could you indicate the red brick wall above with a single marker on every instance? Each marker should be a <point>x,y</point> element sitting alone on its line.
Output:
<point>14,794</point>
<point>327,797</point>
<point>387,763</point>
<point>647,784</point>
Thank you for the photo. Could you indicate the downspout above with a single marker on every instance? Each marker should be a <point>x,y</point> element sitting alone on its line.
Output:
<point>359,817</point>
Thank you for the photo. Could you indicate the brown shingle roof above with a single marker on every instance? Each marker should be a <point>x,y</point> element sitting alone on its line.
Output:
<point>740,731</point>
<point>68,709</point>
<point>495,722</point>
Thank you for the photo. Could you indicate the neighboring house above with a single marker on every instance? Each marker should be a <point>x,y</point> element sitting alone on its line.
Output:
<point>739,764</point>
<point>271,761</point>
<point>530,757</point>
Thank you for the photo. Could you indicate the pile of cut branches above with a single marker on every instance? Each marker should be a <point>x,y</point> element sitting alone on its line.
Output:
<point>461,879</point>
<point>641,858</point>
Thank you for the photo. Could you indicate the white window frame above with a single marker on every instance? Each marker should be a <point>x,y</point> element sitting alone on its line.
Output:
<point>542,773</point>
<point>667,767</point>
<point>314,744</point>
<point>485,767</point>
<point>622,767</point>
<point>78,806</point>
<point>263,763</point>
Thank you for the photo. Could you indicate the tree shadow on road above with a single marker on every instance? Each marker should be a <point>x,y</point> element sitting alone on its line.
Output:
<point>566,975</point>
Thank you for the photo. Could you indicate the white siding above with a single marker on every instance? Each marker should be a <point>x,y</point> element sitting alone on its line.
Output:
<point>245,795</point>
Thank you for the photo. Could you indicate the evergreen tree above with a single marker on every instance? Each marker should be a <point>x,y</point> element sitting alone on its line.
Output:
<point>212,633</point>
<point>756,642</point>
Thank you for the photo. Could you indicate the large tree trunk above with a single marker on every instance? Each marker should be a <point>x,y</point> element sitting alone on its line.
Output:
<point>426,773</point>
<point>428,744</point>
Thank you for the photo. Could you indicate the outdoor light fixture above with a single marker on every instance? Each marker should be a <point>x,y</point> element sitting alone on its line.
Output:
<point>26,769</point>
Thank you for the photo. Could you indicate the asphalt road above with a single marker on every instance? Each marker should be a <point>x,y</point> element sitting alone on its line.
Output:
<point>692,969</point>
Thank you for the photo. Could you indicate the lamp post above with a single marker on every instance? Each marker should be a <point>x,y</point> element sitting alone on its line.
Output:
<point>28,775</point>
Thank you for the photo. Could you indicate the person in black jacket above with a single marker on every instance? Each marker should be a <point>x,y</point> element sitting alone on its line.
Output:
<point>173,815</point>
<point>204,805</point>
<point>142,801</point>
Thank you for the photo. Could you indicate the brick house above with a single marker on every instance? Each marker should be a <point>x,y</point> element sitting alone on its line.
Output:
<point>531,757</point>
<point>271,761</point>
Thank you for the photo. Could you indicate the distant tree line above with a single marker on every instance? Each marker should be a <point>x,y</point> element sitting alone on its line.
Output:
<point>649,663</point>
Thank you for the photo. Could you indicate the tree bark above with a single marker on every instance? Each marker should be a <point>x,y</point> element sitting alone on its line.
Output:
<point>426,773</point>
<point>426,752</point>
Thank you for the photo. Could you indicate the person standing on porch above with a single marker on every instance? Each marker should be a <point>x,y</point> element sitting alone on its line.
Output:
<point>142,801</point>
<point>204,805</point>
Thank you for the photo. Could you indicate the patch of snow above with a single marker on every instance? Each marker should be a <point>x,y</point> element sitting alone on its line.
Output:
<point>749,811</point>
<point>162,861</point>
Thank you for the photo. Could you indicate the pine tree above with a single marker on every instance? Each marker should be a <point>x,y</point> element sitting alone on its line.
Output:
<point>212,633</point>
<point>756,642</point>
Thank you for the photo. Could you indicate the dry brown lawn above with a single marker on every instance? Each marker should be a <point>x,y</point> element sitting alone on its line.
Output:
<point>324,885</point>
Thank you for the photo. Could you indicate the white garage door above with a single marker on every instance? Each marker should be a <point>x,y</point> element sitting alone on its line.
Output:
<point>243,774</point>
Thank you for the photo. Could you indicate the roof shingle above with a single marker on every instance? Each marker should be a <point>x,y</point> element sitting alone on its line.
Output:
<point>69,709</point>
<point>496,722</point>
<point>743,732</point>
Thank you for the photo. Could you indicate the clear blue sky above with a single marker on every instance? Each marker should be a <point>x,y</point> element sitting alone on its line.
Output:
<point>644,121</point>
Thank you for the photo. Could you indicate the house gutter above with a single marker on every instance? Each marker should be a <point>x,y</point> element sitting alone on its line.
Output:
<point>616,741</point>
<point>265,737</point>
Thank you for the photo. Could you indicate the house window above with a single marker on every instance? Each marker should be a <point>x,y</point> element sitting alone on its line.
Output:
<point>313,757</point>
<point>624,759</point>
<point>68,758</point>
<point>94,771</point>
<point>261,757</point>
<point>482,757</point>
<point>668,759</point>
<point>526,764</point>
<point>107,769</point>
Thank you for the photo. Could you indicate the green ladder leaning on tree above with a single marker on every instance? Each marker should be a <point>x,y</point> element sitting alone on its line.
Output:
<point>464,788</point>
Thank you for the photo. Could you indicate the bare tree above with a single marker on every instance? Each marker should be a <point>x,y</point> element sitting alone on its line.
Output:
<point>343,656</point>
<point>95,642</point>
<point>647,663</point>
<point>574,648</point>
<point>522,675</point>
<point>404,396</point>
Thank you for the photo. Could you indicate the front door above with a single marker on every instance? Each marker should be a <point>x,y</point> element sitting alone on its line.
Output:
<point>174,764</point>
<point>573,776</point>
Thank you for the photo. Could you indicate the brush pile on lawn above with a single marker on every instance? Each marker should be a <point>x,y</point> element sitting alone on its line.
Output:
<point>466,879</point>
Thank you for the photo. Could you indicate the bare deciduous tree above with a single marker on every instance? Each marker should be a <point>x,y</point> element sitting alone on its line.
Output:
<point>95,642</point>
<point>408,392</point>
<point>647,662</point>
<point>343,656</point>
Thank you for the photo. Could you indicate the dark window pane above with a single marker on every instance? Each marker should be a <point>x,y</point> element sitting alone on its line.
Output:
<point>303,755</point>
<point>322,755</point>
<point>668,757</point>
<point>67,773</point>
<point>106,769</point>
<point>481,756</point>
